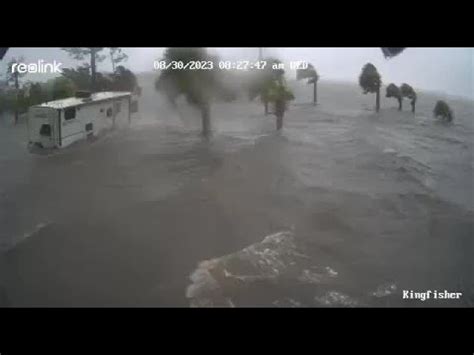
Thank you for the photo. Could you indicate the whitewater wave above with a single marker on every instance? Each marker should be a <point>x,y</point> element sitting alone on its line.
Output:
<point>276,263</point>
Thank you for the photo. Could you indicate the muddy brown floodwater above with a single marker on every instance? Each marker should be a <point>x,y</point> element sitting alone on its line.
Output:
<point>345,207</point>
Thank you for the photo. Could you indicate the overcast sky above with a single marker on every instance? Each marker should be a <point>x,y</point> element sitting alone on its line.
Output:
<point>449,70</point>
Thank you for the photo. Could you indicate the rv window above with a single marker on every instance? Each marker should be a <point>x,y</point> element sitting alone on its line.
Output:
<point>109,112</point>
<point>45,130</point>
<point>69,113</point>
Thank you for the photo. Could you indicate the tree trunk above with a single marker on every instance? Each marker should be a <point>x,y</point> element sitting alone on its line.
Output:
<point>279,122</point>
<point>315,93</point>
<point>279,113</point>
<point>377,100</point>
<point>17,89</point>
<point>93,70</point>
<point>265,104</point>
<point>399,104</point>
<point>413,106</point>
<point>206,120</point>
<point>113,61</point>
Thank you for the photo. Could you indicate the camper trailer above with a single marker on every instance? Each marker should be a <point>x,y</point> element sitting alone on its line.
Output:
<point>59,123</point>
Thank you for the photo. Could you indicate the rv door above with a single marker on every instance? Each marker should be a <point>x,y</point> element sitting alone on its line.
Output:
<point>41,127</point>
<point>71,126</point>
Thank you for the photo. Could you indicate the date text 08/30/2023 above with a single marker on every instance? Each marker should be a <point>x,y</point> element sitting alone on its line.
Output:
<point>227,65</point>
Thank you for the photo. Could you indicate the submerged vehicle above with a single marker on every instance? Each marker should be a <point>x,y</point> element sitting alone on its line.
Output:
<point>59,123</point>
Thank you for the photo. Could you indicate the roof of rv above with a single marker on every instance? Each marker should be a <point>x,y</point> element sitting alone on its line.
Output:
<point>77,101</point>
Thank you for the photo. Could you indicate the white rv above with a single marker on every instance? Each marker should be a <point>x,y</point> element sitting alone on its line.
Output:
<point>59,123</point>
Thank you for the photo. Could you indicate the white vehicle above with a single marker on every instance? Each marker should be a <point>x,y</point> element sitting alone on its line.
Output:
<point>59,123</point>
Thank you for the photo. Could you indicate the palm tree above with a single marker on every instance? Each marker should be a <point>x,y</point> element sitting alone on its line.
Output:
<point>370,81</point>
<point>198,86</point>
<point>312,75</point>
<point>408,92</point>
<point>443,110</point>
<point>262,80</point>
<point>279,94</point>
<point>394,91</point>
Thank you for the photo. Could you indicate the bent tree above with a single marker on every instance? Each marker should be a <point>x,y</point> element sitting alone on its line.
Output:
<point>394,91</point>
<point>279,94</point>
<point>370,82</point>
<point>443,110</point>
<point>262,80</point>
<point>408,92</point>
<point>311,74</point>
<point>199,87</point>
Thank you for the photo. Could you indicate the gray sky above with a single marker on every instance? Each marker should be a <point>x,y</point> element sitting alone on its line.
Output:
<point>449,70</point>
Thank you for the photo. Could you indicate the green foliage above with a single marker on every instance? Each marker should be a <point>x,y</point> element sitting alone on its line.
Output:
<point>443,110</point>
<point>393,91</point>
<point>198,86</point>
<point>79,76</point>
<point>123,80</point>
<point>7,100</point>
<point>92,54</point>
<point>37,94</point>
<point>13,101</point>
<point>262,79</point>
<point>165,83</point>
<point>22,102</point>
<point>309,73</point>
<point>369,79</point>
<point>278,91</point>
<point>279,94</point>
<point>3,102</point>
<point>61,88</point>
<point>407,91</point>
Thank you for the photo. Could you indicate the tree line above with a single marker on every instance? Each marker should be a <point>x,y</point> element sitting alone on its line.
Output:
<point>202,87</point>
<point>19,95</point>
<point>199,87</point>
<point>370,81</point>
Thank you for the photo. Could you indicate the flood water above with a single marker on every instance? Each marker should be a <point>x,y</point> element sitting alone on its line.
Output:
<point>345,207</point>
